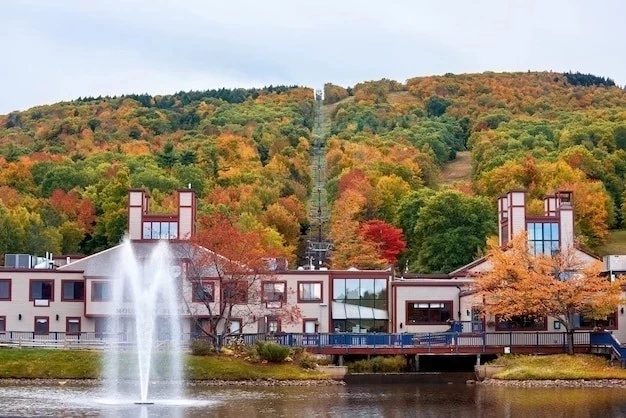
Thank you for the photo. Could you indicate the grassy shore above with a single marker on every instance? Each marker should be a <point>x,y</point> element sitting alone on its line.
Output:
<point>85,364</point>
<point>560,366</point>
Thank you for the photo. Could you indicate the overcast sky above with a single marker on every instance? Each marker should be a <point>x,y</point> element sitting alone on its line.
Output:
<point>63,49</point>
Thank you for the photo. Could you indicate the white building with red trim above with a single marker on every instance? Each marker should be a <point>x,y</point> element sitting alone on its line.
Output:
<point>74,298</point>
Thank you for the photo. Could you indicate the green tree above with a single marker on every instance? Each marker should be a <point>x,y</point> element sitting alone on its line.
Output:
<point>451,231</point>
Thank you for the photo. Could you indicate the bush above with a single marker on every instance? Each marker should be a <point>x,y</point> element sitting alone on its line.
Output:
<point>273,352</point>
<point>307,361</point>
<point>378,365</point>
<point>201,347</point>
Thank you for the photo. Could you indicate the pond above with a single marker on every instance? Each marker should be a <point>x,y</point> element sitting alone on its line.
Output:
<point>389,400</point>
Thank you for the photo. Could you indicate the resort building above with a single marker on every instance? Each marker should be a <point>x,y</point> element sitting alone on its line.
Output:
<point>72,296</point>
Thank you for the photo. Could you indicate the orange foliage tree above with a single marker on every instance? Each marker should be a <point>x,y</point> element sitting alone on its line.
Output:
<point>231,275</point>
<point>558,286</point>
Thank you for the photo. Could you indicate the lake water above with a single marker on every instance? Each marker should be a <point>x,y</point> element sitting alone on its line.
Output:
<point>417,400</point>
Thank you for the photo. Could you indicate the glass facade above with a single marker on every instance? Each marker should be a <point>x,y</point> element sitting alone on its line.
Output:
<point>360,305</point>
<point>543,237</point>
<point>160,230</point>
<point>361,292</point>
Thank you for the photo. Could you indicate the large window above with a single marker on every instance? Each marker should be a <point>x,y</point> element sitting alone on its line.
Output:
<point>72,325</point>
<point>5,289</point>
<point>42,325</point>
<point>309,292</point>
<point>160,230</point>
<point>428,312</point>
<point>274,294</point>
<point>235,292</point>
<point>72,290</point>
<point>543,237</point>
<point>360,325</point>
<point>102,327</point>
<point>101,291</point>
<point>363,292</point>
<point>521,322</point>
<point>360,305</point>
<point>42,289</point>
<point>610,322</point>
<point>203,291</point>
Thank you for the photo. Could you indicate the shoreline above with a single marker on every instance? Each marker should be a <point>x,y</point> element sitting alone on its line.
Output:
<point>208,382</point>
<point>555,383</point>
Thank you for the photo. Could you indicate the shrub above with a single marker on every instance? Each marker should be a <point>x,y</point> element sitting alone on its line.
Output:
<point>273,352</point>
<point>201,347</point>
<point>378,365</point>
<point>307,361</point>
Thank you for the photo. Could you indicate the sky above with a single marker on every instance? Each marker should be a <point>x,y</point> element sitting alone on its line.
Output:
<point>65,49</point>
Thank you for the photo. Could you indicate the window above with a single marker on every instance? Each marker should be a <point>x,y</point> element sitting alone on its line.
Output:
<point>273,324</point>
<point>203,291</point>
<point>72,290</point>
<point>521,322</point>
<point>358,325</point>
<point>543,237</point>
<point>274,294</point>
<point>428,312</point>
<point>3,323</point>
<point>310,326</point>
<point>609,322</point>
<point>235,292</point>
<point>42,289</point>
<point>235,326</point>
<point>42,324</point>
<point>362,292</point>
<point>102,327</point>
<point>101,291</point>
<point>72,325</point>
<point>160,230</point>
<point>309,291</point>
<point>5,289</point>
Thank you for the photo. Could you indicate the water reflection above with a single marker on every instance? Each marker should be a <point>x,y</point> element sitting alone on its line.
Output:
<point>439,400</point>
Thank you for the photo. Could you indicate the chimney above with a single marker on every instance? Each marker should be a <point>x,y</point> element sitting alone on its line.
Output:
<point>186,213</point>
<point>503,217</point>
<point>550,205</point>
<point>516,210</point>
<point>138,200</point>
<point>566,219</point>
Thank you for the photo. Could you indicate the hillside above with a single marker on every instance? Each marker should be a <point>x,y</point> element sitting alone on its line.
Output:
<point>391,148</point>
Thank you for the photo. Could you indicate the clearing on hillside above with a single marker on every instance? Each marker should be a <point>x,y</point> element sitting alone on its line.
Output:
<point>459,170</point>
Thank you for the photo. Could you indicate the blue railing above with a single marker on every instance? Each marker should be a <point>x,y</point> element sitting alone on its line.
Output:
<point>472,341</point>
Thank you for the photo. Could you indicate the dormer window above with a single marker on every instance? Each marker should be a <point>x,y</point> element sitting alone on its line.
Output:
<point>160,230</point>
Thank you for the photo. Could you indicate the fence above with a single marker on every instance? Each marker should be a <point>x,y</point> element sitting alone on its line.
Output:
<point>454,340</point>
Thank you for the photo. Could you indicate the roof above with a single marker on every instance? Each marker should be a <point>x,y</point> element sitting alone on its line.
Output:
<point>105,263</point>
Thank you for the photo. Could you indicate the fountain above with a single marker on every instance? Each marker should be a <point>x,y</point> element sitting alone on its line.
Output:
<point>145,328</point>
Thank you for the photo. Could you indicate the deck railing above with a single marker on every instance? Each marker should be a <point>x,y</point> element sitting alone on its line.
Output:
<point>429,341</point>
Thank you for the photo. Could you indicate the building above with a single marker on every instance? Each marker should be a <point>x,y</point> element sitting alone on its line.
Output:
<point>73,298</point>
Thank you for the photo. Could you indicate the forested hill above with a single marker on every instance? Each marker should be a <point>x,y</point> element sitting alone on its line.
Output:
<point>65,168</point>
<point>534,131</point>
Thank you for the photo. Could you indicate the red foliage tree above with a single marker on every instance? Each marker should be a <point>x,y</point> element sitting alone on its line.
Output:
<point>388,240</point>
<point>239,266</point>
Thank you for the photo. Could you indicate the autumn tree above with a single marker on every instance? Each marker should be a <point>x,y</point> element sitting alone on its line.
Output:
<point>230,274</point>
<point>387,239</point>
<point>559,286</point>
